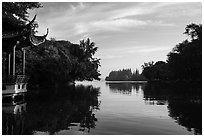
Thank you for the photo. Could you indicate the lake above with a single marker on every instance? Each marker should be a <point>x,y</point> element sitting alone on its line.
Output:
<point>113,108</point>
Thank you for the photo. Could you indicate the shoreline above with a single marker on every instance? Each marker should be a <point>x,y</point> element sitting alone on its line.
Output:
<point>120,81</point>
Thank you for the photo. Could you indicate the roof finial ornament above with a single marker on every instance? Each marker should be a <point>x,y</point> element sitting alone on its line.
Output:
<point>32,21</point>
<point>46,33</point>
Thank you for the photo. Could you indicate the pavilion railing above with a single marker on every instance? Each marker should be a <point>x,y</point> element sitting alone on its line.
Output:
<point>15,79</point>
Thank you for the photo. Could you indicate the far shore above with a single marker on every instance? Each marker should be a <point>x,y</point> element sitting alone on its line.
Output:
<point>115,81</point>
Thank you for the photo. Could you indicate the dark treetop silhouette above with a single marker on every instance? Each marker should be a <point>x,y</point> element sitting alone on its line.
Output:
<point>125,75</point>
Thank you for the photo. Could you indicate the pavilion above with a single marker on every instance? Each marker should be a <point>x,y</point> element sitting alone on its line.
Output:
<point>16,37</point>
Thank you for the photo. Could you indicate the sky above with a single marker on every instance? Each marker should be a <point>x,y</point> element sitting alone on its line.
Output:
<point>127,34</point>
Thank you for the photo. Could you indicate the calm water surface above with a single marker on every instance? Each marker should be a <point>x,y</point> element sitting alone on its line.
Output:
<point>107,108</point>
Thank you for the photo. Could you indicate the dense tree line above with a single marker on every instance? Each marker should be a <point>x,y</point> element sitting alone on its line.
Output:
<point>184,62</point>
<point>124,75</point>
<point>52,62</point>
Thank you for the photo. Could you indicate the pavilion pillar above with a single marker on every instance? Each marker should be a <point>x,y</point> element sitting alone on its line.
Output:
<point>23,61</point>
<point>9,64</point>
<point>14,60</point>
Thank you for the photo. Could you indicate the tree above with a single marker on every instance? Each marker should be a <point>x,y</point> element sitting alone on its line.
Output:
<point>148,64</point>
<point>85,66</point>
<point>185,60</point>
<point>19,10</point>
<point>49,64</point>
<point>156,71</point>
<point>59,62</point>
<point>15,14</point>
<point>148,70</point>
<point>124,75</point>
<point>194,31</point>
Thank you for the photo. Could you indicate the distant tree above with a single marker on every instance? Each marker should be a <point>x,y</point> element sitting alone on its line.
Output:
<point>137,72</point>
<point>124,75</point>
<point>136,76</point>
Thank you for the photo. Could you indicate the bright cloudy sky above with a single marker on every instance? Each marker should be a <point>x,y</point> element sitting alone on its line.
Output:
<point>127,34</point>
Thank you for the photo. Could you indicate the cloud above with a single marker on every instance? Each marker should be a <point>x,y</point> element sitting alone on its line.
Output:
<point>136,9</point>
<point>77,6</point>
<point>79,18</point>
<point>109,56</point>
<point>154,49</point>
<point>115,25</point>
<point>118,23</point>
<point>115,53</point>
<point>107,25</point>
<point>127,33</point>
<point>130,11</point>
<point>74,20</point>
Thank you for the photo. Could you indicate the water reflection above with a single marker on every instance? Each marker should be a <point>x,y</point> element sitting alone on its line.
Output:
<point>183,101</point>
<point>51,112</point>
<point>13,119</point>
<point>74,110</point>
<point>124,88</point>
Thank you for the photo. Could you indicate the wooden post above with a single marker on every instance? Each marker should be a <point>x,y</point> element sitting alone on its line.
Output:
<point>9,64</point>
<point>23,62</point>
<point>14,60</point>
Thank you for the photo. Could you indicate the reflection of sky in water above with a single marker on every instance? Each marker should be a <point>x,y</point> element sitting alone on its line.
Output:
<point>135,112</point>
<point>119,109</point>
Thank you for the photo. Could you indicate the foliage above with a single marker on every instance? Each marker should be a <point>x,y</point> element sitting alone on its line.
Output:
<point>16,13</point>
<point>148,64</point>
<point>184,62</point>
<point>49,63</point>
<point>85,66</point>
<point>194,31</point>
<point>157,71</point>
<point>58,62</point>
<point>124,75</point>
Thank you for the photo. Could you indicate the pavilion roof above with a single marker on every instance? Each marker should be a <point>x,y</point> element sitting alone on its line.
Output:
<point>21,33</point>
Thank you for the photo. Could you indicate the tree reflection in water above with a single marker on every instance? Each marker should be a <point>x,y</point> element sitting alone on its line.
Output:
<point>184,101</point>
<point>53,112</point>
<point>124,88</point>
